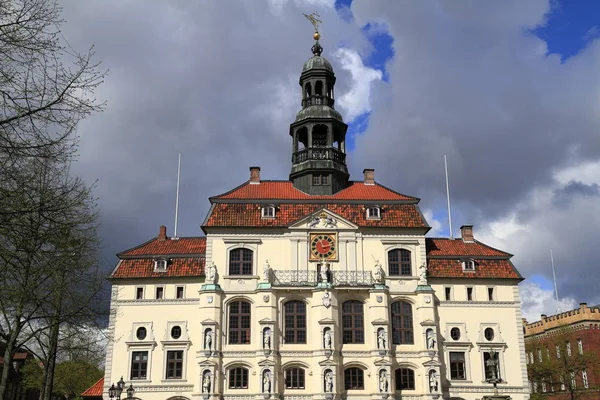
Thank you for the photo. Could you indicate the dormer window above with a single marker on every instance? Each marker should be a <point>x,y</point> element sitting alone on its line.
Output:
<point>268,212</point>
<point>468,265</point>
<point>373,212</point>
<point>160,265</point>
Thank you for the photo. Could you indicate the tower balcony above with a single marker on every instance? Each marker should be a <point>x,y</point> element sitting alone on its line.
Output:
<point>312,279</point>
<point>319,153</point>
<point>317,100</point>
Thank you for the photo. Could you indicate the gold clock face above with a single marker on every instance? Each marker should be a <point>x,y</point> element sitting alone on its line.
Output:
<point>323,246</point>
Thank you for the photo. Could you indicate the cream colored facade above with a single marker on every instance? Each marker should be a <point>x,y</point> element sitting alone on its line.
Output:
<point>204,309</point>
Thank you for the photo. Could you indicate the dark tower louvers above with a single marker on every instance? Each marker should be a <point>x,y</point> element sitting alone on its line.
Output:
<point>319,132</point>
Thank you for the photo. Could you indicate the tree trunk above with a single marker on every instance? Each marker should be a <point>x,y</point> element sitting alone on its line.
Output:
<point>8,354</point>
<point>47,385</point>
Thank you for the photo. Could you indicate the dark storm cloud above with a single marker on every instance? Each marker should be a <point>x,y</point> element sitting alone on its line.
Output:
<point>564,195</point>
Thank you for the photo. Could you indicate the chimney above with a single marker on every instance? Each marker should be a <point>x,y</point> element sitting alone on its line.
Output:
<point>162,233</point>
<point>254,175</point>
<point>466,232</point>
<point>369,176</point>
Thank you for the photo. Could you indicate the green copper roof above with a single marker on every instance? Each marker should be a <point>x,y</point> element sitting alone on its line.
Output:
<point>317,62</point>
<point>318,112</point>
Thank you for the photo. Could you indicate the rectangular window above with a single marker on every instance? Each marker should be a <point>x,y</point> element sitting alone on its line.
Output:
<point>489,374</point>
<point>469,294</point>
<point>490,294</point>
<point>320,179</point>
<point>294,378</point>
<point>238,378</point>
<point>544,387</point>
<point>160,292</point>
<point>540,355</point>
<point>584,378</point>
<point>562,384</point>
<point>175,364</point>
<point>139,364</point>
<point>139,293</point>
<point>457,366</point>
<point>580,346</point>
<point>557,351</point>
<point>573,382</point>
<point>448,291</point>
<point>179,292</point>
<point>568,346</point>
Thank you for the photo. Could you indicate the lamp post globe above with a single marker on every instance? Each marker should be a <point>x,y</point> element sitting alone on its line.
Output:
<point>130,391</point>
<point>112,391</point>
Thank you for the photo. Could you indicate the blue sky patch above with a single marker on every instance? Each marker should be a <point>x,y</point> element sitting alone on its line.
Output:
<point>357,127</point>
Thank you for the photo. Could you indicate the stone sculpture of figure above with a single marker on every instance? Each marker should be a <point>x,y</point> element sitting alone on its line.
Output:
<point>326,299</point>
<point>430,339</point>
<point>378,272</point>
<point>327,339</point>
<point>206,383</point>
<point>267,339</point>
<point>330,222</point>
<point>208,340</point>
<point>381,339</point>
<point>329,382</point>
<point>211,272</point>
<point>492,366</point>
<point>433,381</point>
<point>383,382</point>
<point>266,382</point>
<point>325,272</point>
<point>267,272</point>
<point>423,274</point>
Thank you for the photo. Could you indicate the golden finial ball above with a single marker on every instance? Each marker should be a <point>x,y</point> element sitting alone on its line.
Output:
<point>317,36</point>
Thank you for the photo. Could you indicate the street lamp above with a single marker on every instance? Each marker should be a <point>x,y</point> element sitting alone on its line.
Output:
<point>130,391</point>
<point>116,391</point>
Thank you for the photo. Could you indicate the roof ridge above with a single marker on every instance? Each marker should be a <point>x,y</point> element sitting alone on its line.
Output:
<point>395,192</point>
<point>229,191</point>
<point>119,254</point>
<point>493,248</point>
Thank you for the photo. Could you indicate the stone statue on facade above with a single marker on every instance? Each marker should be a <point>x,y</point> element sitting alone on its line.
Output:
<point>378,272</point>
<point>324,272</point>
<point>383,382</point>
<point>329,382</point>
<point>267,272</point>
<point>211,273</point>
<point>423,274</point>
<point>267,339</point>
<point>266,382</point>
<point>206,383</point>
<point>433,381</point>
<point>326,299</point>
<point>491,366</point>
<point>430,339</point>
<point>327,339</point>
<point>381,339</point>
<point>208,340</point>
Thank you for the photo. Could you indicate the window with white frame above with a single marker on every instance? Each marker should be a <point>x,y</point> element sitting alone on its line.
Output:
<point>557,351</point>
<point>160,292</point>
<point>568,347</point>
<point>531,357</point>
<point>470,291</point>
<point>488,355</point>
<point>268,211</point>
<point>448,293</point>
<point>373,212</point>
<point>491,294</point>
<point>160,265</point>
<point>540,355</point>
<point>139,365</point>
<point>468,265</point>
<point>174,364</point>
<point>139,293</point>
<point>179,292</point>
<point>584,378</point>
<point>139,346</point>
<point>580,346</point>
<point>562,384</point>
<point>573,382</point>
<point>458,366</point>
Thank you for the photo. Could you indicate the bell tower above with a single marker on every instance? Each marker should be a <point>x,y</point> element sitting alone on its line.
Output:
<point>319,132</point>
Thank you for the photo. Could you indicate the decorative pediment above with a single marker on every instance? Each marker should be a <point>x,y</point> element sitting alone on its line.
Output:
<point>323,219</point>
<point>206,363</point>
<point>379,322</point>
<point>266,363</point>
<point>428,322</point>
<point>209,321</point>
<point>328,363</point>
<point>432,363</point>
<point>383,363</point>
<point>326,321</point>
<point>266,321</point>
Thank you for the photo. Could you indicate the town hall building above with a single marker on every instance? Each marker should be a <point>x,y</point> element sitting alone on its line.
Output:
<point>315,287</point>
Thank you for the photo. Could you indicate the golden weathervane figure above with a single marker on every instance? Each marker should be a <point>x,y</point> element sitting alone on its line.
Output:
<point>315,21</point>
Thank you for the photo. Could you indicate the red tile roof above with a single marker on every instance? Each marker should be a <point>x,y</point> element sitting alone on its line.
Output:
<point>249,215</point>
<point>284,190</point>
<point>452,268</point>
<point>156,247</point>
<point>95,390</point>
<point>144,268</point>
<point>444,247</point>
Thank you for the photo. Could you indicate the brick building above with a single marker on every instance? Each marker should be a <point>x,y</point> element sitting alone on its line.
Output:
<point>568,344</point>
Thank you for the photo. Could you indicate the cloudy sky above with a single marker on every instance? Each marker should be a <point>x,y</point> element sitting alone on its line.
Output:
<point>509,91</point>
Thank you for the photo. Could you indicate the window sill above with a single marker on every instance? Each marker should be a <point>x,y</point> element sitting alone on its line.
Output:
<point>141,380</point>
<point>241,277</point>
<point>178,380</point>
<point>460,381</point>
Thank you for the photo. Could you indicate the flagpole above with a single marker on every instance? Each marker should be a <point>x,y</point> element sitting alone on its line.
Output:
<point>177,196</point>
<point>448,198</point>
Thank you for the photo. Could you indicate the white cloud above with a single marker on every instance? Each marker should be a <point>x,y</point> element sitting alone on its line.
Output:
<point>536,301</point>
<point>436,225</point>
<point>356,101</point>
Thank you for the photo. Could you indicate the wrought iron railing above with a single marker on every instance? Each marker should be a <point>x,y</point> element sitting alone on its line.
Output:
<point>317,100</point>
<point>352,278</point>
<point>319,153</point>
<point>294,278</point>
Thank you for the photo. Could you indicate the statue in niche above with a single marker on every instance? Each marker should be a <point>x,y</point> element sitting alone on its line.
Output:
<point>423,274</point>
<point>267,272</point>
<point>211,273</point>
<point>492,366</point>
<point>430,335</point>
<point>324,272</point>
<point>267,339</point>
<point>329,382</point>
<point>208,340</point>
<point>378,272</point>
<point>326,299</point>
<point>267,382</point>
<point>206,383</point>
<point>383,381</point>
<point>433,381</point>
<point>327,339</point>
<point>381,339</point>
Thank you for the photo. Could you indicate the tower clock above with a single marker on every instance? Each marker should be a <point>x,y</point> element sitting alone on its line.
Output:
<point>323,246</point>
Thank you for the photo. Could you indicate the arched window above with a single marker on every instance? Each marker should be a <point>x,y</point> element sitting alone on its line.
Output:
<point>239,322</point>
<point>354,379</point>
<point>294,378</point>
<point>353,322</point>
<point>399,263</point>
<point>319,88</point>
<point>238,378</point>
<point>405,379</point>
<point>240,262</point>
<point>319,136</point>
<point>402,323</point>
<point>307,89</point>
<point>295,322</point>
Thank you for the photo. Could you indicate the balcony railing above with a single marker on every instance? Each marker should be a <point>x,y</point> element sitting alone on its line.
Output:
<point>310,278</point>
<point>317,100</point>
<point>319,153</point>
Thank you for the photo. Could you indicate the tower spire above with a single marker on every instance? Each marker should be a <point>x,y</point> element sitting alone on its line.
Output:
<point>317,49</point>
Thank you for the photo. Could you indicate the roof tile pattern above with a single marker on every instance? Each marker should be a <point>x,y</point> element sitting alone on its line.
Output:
<point>95,390</point>
<point>144,268</point>
<point>187,245</point>
<point>284,190</point>
<point>457,247</point>
<point>249,215</point>
<point>452,268</point>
